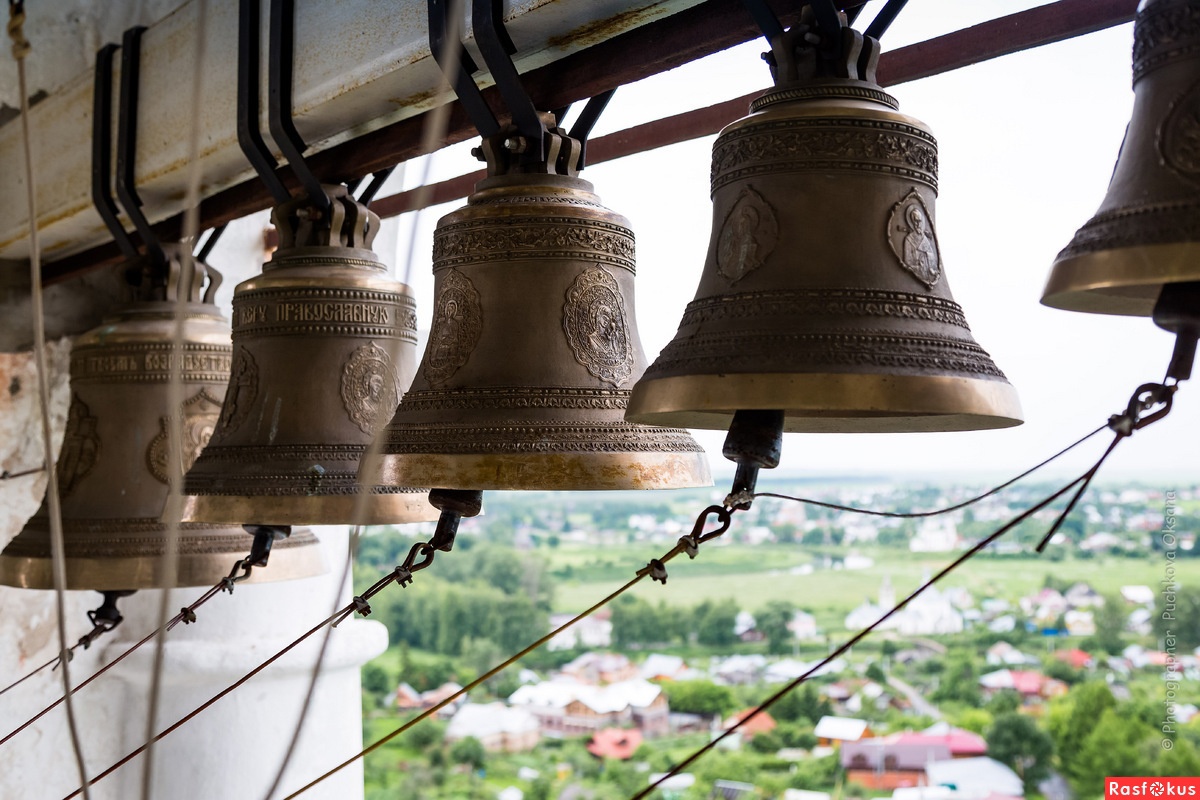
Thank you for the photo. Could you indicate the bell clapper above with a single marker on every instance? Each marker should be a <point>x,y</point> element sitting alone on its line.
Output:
<point>1178,311</point>
<point>260,550</point>
<point>754,442</point>
<point>103,619</point>
<point>454,505</point>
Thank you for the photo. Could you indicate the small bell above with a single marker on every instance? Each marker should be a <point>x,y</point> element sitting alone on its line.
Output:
<point>114,468</point>
<point>824,294</point>
<point>1147,231</point>
<point>324,343</point>
<point>533,346</point>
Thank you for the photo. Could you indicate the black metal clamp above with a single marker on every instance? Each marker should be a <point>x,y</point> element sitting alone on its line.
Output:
<point>281,60</point>
<point>534,144</point>
<point>126,187</point>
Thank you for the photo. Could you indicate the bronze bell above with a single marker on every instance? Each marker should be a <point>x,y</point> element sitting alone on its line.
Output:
<point>114,466</point>
<point>1147,231</point>
<point>823,293</point>
<point>324,343</point>
<point>532,350</point>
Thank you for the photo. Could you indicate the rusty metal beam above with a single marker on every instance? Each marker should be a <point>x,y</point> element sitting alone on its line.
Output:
<point>684,37</point>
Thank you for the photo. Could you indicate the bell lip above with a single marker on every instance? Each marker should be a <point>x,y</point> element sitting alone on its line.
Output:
<point>302,560</point>
<point>377,509</point>
<point>573,472</point>
<point>1123,281</point>
<point>845,402</point>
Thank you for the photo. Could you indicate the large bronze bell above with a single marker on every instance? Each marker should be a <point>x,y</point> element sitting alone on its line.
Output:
<point>823,293</point>
<point>532,350</point>
<point>114,467</point>
<point>1147,231</point>
<point>324,343</point>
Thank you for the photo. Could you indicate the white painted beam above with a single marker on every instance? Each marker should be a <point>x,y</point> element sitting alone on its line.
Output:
<point>360,64</point>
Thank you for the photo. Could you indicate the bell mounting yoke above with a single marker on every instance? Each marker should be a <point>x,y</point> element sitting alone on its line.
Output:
<point>531,141</point>
<point>161,262</point>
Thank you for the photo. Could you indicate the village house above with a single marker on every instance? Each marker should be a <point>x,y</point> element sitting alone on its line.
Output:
<point>1033,687</point>
<point>593,631</point>
<point>762,722</point>
<point>616,743</point>
<point>832,731</point>
<point>597,668</point>
<point>499,728</point>
<point>565,708</point>
<point>900,760</point>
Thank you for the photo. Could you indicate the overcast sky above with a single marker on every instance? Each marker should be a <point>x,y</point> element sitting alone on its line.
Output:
<point>1027,144</point>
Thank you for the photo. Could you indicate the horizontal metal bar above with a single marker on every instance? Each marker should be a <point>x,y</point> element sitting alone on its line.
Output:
<point>657,47</point>
<point>1003,36</point>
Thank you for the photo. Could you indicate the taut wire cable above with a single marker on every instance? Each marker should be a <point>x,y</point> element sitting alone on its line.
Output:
<point>936,512</point>
<point>20,50</point>
<point>186,615</point>
<point>862,634</point>
<point>1144,398</point>
<point>656,570</point>
<point>174,505</point>
<point>402,574</point>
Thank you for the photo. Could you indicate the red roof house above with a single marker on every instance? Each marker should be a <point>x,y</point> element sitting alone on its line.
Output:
<point>618,743</point>
<point>760,723</point>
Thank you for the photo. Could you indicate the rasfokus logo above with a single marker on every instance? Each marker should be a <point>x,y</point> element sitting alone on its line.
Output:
<point>1151,787</point>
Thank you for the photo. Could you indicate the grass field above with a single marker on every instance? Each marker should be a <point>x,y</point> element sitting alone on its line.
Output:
<point>756,575</point>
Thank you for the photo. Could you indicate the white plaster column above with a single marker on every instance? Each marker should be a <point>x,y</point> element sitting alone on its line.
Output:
<point>233,750</point>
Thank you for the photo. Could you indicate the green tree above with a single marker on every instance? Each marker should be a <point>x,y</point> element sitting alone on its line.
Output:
<point>1116,745</point>
<point>875,672</point>
<point>375,679</point>
<point>1179,620</point>
<point>801,705</point>
<point>698,697</point>
<point>715,625</point>
<point>960,682</point>
<point>468,751</point>
<point>1110,625</point>
<point>1073,717</point>
<point>1004,702</point>
<point>772,621</point>
<point>1016,740</point>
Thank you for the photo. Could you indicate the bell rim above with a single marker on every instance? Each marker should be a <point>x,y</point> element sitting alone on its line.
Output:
<point>377,509</point>
<point>851,403</point>
<point>1105,281</point>
<point>304,559</point>
<point>574,472</point>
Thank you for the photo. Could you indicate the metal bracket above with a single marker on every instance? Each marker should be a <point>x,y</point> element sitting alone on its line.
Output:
<point>457,64</point>
<point>280,59</point>
<point>102,197</point>
<point>248,128</point>
<point>127,145</point>
<point>494,43</point>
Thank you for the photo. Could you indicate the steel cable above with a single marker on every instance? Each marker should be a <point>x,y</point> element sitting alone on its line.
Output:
<point>937,512</point>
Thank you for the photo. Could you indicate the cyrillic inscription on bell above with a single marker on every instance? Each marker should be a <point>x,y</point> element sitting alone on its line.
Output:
<point>823,293</point>
<point>324,344</point>
<point>115,466</point>
<point>533,345</point>
<point>1147,230</point>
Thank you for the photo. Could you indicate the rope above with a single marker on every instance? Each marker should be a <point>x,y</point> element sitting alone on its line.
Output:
<point>655,569</point>
<point>175,394</point>
<point>20,49</point>
<point>186,615</point>
<point>947,509</point>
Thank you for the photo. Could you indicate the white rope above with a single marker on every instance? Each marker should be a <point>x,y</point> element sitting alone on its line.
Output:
<point>20,50</point>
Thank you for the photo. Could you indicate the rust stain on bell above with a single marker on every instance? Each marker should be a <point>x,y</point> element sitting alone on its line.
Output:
<point>1147,230</point>
<point>824,292</point>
